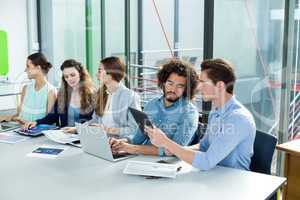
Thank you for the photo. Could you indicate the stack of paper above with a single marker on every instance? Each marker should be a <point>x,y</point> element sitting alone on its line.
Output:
<point>63,138</point>
<point>11,139</point>
<point>151,169</point>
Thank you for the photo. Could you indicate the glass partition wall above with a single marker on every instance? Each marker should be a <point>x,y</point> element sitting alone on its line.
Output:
<point>250,35</point>
<point>146,33</point>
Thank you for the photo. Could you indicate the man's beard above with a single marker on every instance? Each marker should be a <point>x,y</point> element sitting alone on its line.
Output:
<point>171,99</point>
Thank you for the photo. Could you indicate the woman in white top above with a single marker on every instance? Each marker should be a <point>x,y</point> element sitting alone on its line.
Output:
<point>38,97</point>
<point>113,99</point>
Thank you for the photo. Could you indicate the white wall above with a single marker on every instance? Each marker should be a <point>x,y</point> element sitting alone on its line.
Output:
<point>13,20</point>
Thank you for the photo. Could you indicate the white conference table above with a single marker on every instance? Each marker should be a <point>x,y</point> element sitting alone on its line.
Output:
<point>79,176</point>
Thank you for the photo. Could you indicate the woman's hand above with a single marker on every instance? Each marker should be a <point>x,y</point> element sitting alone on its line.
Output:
<point>112,131</point>
<point>29,125</point>
<point>9,118</point>
<point>69,130</point>
<point>5,118</point>
<point>97,125</point>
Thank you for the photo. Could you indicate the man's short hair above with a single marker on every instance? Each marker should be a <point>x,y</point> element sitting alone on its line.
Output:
<point>220,70</point>
<point>181,69</point>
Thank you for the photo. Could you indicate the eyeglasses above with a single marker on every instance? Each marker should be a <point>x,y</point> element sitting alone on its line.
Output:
<point>172,84</point>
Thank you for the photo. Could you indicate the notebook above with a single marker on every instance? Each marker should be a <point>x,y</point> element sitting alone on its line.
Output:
<point>151,169</point>
<point>63,138</point>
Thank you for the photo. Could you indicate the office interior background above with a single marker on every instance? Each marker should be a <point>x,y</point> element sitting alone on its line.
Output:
<point>261,39</point>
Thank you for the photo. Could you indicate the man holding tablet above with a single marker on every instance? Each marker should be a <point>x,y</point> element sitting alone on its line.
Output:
<point>230,130</point>
<point>173,112</point>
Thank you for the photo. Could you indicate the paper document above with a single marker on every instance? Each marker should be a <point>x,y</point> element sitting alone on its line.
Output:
<point>7,126</point>
<point>151,169</point>
<point>46,151</point>
<point>11,139</point>
<point>63,138</point>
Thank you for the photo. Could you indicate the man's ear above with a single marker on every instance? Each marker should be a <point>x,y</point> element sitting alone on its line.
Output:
<point>221,85</point>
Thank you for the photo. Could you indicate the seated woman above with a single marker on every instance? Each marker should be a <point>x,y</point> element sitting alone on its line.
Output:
<point>38,97</point>
<point>75,102</point>
<point>113,99</point>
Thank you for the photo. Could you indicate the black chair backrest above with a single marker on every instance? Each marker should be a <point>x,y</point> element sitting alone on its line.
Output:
<point>264,146</point>
<point>202,124</point>
<point>198,134</point>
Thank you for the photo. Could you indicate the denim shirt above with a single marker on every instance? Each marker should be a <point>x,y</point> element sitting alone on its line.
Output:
<point>178,121</point>
<point>229,138</point>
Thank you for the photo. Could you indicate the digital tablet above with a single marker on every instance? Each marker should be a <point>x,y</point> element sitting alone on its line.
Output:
<point>141,119</point>
<point>37,130</point>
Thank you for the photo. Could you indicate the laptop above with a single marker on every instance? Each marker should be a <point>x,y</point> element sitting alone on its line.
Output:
<point>95,141</point>
<point>8,126</point>
<point>141,119</point>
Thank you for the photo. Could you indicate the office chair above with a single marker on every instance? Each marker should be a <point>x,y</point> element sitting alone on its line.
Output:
<point>264,146</point>
<point>198,134</point>
<point>202,123</point>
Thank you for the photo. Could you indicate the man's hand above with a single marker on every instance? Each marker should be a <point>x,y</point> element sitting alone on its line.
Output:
<point>157,137</point>
<point>168,153</point>
<point>121,145</point>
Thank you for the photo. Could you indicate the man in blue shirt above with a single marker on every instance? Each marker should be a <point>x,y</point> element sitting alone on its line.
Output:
<point>231,128</point>
<point>173,112</point>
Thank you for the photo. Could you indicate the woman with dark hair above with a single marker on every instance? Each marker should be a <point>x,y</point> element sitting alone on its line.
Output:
<point>38,97</point>
<point>74,100</point>
<point>113,99</point>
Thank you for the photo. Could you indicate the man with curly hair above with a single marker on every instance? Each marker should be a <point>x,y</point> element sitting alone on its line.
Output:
<point>173,112</point>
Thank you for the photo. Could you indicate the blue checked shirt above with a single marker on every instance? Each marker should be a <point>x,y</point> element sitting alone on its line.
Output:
<point>229,138</point>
